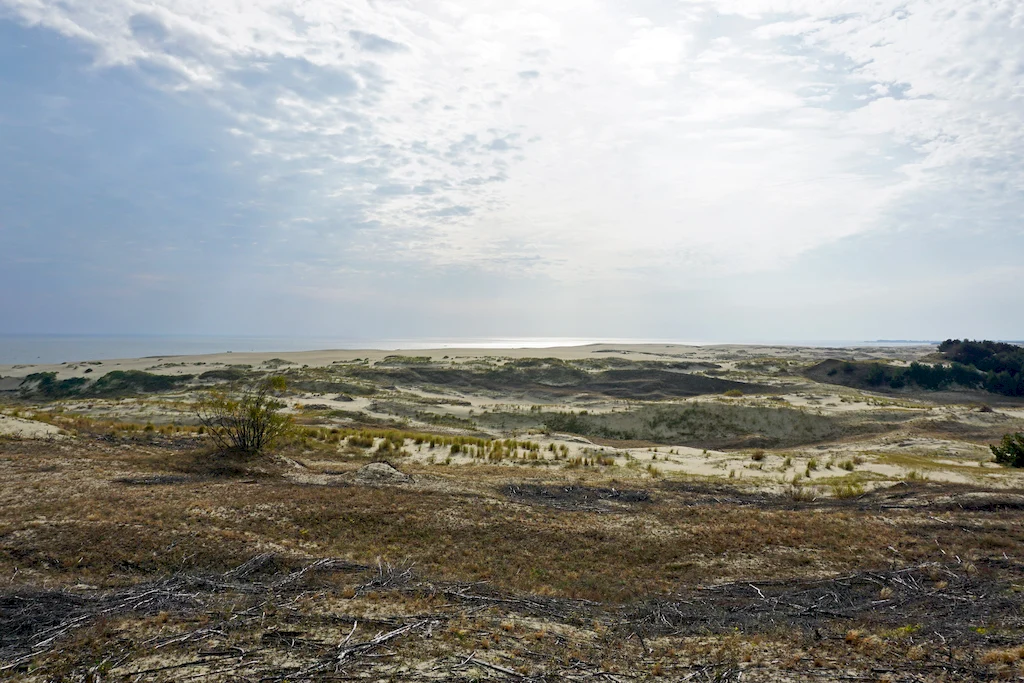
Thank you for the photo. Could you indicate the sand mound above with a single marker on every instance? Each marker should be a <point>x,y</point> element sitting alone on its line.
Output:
<point>380,473</point>
<point>27,429</point>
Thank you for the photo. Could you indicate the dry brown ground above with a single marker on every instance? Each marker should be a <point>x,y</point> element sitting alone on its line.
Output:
<point>119,560</point>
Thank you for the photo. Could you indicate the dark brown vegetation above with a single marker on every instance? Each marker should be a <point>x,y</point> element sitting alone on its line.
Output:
<point>124,559</point>
<point>554,378</point>
<point>714,425</point>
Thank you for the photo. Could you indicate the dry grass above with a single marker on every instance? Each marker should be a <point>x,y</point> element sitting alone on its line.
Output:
<point>548,591</point>
<point>61,501</point>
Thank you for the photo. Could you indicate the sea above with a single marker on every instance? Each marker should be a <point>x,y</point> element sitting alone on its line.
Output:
<point>52,349</point>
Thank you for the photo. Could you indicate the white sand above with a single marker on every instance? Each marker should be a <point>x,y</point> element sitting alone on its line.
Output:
<point>27,429</point>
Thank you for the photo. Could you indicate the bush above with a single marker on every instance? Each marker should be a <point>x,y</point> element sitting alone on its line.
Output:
<point>47,385</point>
<point>128,382</point>
<point>249,424</point>
<point>877,375</point>
<point>847,489</point>
<point>1011,451</point>
<point>229,374</point>
<point>361,441</point>
<point>800,494</point>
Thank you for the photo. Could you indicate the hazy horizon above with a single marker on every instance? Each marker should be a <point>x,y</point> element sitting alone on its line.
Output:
<point>699,170</point>
<point>52,349</point>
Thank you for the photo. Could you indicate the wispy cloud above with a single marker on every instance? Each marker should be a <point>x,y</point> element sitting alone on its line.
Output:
<point>586,140</point>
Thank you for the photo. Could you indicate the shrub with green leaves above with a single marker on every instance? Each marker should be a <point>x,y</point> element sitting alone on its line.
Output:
<point>360,441</point>
<point>47,385</point>
<point>246,424</point>
<point>1011,451</point>
<point>131,382</point>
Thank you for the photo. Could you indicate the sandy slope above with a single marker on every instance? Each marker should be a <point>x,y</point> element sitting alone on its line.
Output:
<point>26,429</point>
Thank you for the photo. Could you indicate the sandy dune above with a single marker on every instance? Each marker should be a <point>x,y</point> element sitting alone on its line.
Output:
<point>26,429</point>
<point>180,365</point>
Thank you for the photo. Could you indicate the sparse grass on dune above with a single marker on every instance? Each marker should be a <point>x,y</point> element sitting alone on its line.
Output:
<point>466,536</point>
<point>116,514</point>
<point>812,539</point>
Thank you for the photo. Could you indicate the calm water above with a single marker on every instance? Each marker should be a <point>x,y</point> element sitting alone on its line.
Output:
<point>17,349</point>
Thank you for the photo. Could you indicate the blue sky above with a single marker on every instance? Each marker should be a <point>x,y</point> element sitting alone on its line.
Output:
<point>739,169</point>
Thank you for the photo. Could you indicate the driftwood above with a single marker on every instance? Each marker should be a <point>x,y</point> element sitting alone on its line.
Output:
<point>944,600</point>
<point>33,622</point>
<point>939,597</point>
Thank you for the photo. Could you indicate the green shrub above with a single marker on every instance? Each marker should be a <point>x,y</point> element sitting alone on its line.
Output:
<point>126,382</point>
<point>847,490</point>
<point>229,374</point>
<point>248,424</point>
<point>800,494</point>
<point>47,385</point>
<point>1011,451</point>
<point>360,441</point>
<point>877,375</point>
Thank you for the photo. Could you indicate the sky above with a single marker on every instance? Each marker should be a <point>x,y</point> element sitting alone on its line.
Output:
<point>731,170</point>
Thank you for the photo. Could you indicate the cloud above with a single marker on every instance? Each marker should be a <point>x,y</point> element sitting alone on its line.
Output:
<point>654,54</point>
<point>375,43</point>
<point>580,142</point>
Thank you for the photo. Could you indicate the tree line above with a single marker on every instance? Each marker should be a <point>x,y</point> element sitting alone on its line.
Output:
<point>997,367</point>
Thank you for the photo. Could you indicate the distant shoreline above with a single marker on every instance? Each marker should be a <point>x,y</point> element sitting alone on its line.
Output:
<point>56,349</point>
